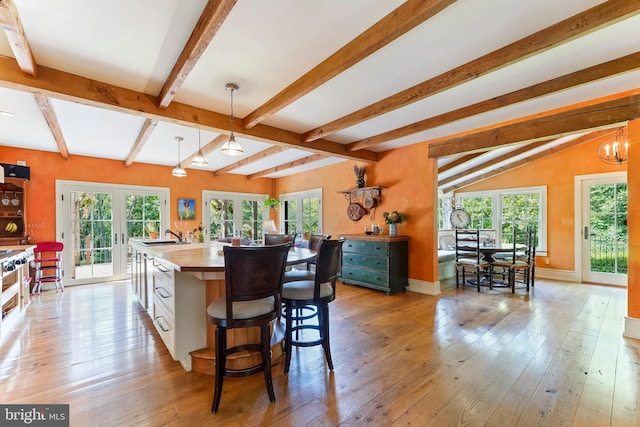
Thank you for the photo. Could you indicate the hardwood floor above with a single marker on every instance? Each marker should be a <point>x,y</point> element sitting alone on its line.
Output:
<point>553,357</point>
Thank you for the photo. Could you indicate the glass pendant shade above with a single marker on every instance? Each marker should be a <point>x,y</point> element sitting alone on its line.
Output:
<point>199,159</point>
<point>232,147</point>
<point>178,171</point>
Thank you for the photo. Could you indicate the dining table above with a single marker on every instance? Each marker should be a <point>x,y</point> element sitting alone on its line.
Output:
<point>199,279</point>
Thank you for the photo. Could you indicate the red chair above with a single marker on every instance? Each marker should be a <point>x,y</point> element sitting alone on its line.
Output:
<point>48,262</point>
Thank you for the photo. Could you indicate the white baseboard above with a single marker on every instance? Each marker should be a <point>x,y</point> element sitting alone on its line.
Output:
<point>422,287</point>
<point>631,327</point>
<point>564,275</point>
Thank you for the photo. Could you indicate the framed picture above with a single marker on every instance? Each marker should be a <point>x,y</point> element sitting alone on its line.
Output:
<point>186,209</point>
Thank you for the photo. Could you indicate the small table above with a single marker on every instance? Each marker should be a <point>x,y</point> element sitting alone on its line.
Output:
<point>489,251</point>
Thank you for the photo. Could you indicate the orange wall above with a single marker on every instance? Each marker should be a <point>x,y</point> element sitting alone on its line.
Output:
<point>633,180</point>
<point>408,178</point>
<point>557,172</point>
<point>47,167</point>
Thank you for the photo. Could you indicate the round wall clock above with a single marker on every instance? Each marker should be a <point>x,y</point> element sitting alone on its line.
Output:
<point>460,218</point>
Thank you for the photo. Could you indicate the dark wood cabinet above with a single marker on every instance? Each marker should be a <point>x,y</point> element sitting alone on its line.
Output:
<point>377,262</point>
<point>13,212</point>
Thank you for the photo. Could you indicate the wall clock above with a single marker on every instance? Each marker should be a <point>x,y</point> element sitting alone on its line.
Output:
<point>460,218</point>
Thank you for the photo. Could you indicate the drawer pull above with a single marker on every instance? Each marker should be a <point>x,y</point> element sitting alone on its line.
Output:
<point>161,325</point>
<point>162,292</point>
<point>163,269</point>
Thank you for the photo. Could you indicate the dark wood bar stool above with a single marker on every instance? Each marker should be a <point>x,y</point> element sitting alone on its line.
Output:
<point>253,277</point>
<point>317,293</point>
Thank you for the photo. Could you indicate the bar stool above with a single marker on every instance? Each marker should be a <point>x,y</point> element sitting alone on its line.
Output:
<point>253,277</point>
<point>48,265</point>
<point>318,293</point>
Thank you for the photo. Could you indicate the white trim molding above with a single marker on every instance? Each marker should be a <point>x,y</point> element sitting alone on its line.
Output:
<point>423,287</point>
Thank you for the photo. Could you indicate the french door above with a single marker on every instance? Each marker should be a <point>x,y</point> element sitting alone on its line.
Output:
<point>96,222</point>
<point>605,247</point>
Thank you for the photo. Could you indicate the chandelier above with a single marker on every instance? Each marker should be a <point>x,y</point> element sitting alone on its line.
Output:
<point>615,153</point>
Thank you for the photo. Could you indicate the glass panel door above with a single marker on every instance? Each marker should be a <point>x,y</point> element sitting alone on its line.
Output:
<point>604,232</point>
<point>90,240</point>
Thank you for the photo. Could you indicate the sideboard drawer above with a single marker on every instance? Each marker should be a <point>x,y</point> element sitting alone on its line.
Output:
<point>377,278</point>
<point>377,248</point>
<point>365,261</point>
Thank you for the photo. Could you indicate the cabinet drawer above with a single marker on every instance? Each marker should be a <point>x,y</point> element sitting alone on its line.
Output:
<point>161,270</point>
<point>365,261</point>
<point>377,248</point>
<point>373,277</point>
<point>164,295</point>
<point>165,325</point>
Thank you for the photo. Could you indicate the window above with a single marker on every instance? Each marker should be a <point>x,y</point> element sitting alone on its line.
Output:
<point>234,214</point>
<point>302,213</point>
<point>504,209</point>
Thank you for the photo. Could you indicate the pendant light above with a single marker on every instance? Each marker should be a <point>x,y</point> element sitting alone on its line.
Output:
<point>178,171</point>
<point>232,147</point>
<point>199,159</point>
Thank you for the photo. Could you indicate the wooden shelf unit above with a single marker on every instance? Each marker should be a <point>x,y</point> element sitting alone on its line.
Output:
<point>13,211</point>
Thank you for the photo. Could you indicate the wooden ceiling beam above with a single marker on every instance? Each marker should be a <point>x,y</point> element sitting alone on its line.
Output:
<point>44,103</point>
<point>12,27</point>
<point>209,147</point>
<point>403,19</point>
<point>69,87</point>
<point>599,16</point>
<point>457,162</point>
<point>588,75</point>
<point>279,168</point>
<point>591,115</point>
<point>551,151</point>
<point>258,156</point>
<point>147,129</point>
<point>214,14</point>
<point>493,161</point>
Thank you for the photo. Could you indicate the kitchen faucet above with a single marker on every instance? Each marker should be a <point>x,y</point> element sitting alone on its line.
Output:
<point>179,235</point>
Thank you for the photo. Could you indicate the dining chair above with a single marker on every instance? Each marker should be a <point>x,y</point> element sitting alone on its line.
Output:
<point>277,239</point>
<point>469,259</point>
<point>253,286</point>
<point>518,263</point>
<point>308,273</point>
<point>318,293</point>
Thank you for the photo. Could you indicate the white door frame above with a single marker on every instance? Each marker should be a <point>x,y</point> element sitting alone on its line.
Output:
<point>118,189</point>
<point>579,180</point>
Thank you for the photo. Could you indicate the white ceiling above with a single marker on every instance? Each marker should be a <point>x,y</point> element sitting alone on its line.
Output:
<point>265,46</point>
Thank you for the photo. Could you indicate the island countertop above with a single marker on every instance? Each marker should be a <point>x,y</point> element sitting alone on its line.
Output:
<point>203,257</point>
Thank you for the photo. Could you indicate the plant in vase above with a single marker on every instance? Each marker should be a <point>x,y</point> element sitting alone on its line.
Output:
<point>272,203</point>
<point>393,218</point>
<point>152,230</point>
<point>359,171</point>
<point>198,232</point>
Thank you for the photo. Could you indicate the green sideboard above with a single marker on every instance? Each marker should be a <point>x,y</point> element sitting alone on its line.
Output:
<point>377,262</point>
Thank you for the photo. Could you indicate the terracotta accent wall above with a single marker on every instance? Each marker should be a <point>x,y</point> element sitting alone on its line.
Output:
<point>409,180</point>
<point>47,167</point>
<point>557,172</point>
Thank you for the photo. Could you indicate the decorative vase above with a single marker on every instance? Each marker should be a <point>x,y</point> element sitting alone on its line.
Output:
<point>360,182</point>
<point>393,230</point>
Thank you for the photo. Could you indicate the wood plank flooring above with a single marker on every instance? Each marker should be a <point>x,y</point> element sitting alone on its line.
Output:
<point>555,356</point>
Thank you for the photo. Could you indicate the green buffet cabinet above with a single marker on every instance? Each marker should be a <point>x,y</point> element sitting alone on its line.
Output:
<point>377,262</point>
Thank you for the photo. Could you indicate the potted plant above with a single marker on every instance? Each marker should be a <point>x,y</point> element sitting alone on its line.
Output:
<point>152,229</point>
<point>393,218</point>
<point>271,203</point>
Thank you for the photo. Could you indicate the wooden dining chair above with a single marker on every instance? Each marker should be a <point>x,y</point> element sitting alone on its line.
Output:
<point>278,239</point>
<point>308,273</point>
<point>518,263</point>
<point>318,293</point>
<point>469,259</point>
<point>253,286</point>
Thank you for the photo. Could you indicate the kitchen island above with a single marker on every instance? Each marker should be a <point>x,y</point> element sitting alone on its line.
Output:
<point>186,279</point>
<point>15,295</point>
